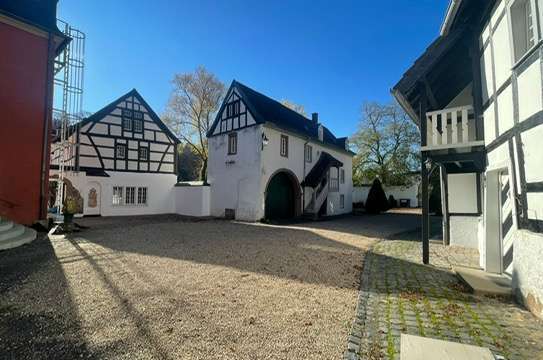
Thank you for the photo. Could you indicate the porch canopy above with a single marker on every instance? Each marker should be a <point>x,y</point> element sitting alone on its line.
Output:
<point>445,68</point>
<point>318,172</point>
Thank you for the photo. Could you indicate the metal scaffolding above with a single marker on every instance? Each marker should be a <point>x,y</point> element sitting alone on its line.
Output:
<point>67,105</point>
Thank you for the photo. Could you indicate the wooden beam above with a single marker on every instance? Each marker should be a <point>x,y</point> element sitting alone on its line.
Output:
<point>445,205</point>
<point>430,94</point>
<point>425,212</point>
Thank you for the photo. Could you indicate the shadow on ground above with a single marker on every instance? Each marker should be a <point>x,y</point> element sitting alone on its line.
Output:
<point>42,322</point>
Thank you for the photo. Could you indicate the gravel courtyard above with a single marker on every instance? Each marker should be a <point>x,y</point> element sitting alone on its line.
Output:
<point>170,288</point>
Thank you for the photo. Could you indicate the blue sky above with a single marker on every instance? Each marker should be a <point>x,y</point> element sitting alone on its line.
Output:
<point>329,56</point>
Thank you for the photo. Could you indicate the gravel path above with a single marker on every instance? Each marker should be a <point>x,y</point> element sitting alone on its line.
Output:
<point>169,288</point>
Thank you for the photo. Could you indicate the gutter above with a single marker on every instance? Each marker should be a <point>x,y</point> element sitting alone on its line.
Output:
<point>452,11</point>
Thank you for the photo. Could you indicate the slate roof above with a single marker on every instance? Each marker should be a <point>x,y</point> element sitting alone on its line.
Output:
<point>267,110</point>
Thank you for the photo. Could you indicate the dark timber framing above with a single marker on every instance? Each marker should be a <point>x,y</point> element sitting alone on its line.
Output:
<point>132,140</point>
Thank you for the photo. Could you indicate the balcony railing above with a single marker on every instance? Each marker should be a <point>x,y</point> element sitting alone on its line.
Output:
<point>451,128</point>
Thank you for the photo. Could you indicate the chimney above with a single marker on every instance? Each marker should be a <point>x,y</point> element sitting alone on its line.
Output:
<point>315,118</point>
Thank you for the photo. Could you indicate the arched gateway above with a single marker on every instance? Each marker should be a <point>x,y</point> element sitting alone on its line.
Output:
<point>283,196</point>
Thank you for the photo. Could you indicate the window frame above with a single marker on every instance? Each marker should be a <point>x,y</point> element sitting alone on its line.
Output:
<point>131,196</point>
<point>308,153</point>
<point>146,157</point>
<point>513,34</point>
<point>285,148</point>
<point>342,176</point>
<point>137,129</point>
<point>117,200</point>
<point>232,139</point>
<point>142,193</point>
<point>117,148</point>
<point>342,201</point>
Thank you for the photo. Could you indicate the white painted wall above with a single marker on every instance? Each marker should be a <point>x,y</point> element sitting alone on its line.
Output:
<point>192,200</point>
<point>464,230</point>
<point>235,179</point>
<point>273,161</point>
<point>360,193</point>
<point>239,181</point>
<point>160,199</point>
<point>462,193</point>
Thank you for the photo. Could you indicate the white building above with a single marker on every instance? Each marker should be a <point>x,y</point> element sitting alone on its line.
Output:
<point>267,161</point>
<point>477,94</point>
<point>125,163</point>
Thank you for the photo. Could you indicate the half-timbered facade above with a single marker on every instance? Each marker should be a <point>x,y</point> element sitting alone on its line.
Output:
<point>477,95</point>
<point>266,161</point>
<point>125,159</point>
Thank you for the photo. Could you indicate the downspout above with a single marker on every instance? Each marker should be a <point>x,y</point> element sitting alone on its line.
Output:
<point>303,187</point>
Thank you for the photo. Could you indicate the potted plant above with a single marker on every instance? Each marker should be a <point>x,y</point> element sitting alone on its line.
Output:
<point>70,208</point>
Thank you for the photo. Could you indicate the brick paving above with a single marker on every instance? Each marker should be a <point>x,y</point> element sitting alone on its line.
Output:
<point>400,295</point>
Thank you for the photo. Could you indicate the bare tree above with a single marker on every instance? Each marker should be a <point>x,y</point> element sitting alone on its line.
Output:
<point>194,101</point>
<point>293,106</point>
<point>386,145</point>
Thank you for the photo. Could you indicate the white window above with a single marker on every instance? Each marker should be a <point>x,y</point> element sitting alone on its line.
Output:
<point>284,145</point>
<point>138,126</point>
<point>120,151</point>
<point>308,153</point>
<point>333,183</point>
<point>130,195</point>
<point>138,115</point>
<point>341,201</point>
<point>117,195</point>
<point>342,176</point>
<point>523,24</point>
<point>142,196</point>
<point>232,143</point>
<point>144,153</point>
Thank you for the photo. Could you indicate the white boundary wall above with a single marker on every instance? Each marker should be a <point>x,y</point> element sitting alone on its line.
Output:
<point>360,193</point>
<point>192,200</point>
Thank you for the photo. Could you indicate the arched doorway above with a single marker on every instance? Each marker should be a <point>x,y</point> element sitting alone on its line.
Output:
<point>283,196</point>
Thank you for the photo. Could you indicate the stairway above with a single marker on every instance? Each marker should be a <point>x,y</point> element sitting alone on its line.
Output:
<point>13,235</point>
<point>318,198</point>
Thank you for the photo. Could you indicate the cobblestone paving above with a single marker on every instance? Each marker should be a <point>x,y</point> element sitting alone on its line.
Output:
<point>400,295</point>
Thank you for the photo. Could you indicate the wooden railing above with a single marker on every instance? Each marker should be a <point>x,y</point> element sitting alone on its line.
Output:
<point>451,128</point>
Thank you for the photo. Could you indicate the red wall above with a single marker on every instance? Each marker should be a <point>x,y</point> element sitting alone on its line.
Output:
<point>23,88</point>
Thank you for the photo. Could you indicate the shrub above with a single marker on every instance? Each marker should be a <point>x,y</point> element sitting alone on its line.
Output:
<point>377,200</point>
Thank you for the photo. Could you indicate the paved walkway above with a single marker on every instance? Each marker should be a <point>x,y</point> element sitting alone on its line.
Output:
<point>400,295</point>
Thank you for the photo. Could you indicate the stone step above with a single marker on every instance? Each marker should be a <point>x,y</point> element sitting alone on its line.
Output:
<point>484,283</point>
<point>27,236</point>
<point>5,224</point>
<point>417,348</point>
<point>12,232</point>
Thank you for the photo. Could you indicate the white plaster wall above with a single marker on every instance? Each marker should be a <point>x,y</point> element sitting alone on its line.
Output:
<point>273,161</point>
<point>528,269</point>
<point>160,199</point>
<point>529,91</point>
<point>464,231</point>
<point>192,200</point>
<point>235,179</point>
<point>360,193</point>
<point>462,193</point>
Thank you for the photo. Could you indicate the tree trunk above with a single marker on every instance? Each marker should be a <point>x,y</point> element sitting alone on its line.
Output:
<point>203,171</point>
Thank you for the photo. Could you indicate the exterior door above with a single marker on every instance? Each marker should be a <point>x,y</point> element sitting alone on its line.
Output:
<point>92,199</point>
<point>506,202</point>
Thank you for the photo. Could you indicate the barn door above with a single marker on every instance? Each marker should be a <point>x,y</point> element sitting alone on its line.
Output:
<point>506,222</point>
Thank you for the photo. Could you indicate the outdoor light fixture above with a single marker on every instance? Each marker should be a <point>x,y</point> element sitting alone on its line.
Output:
<point>265,140</point>
<point>428,164</point>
